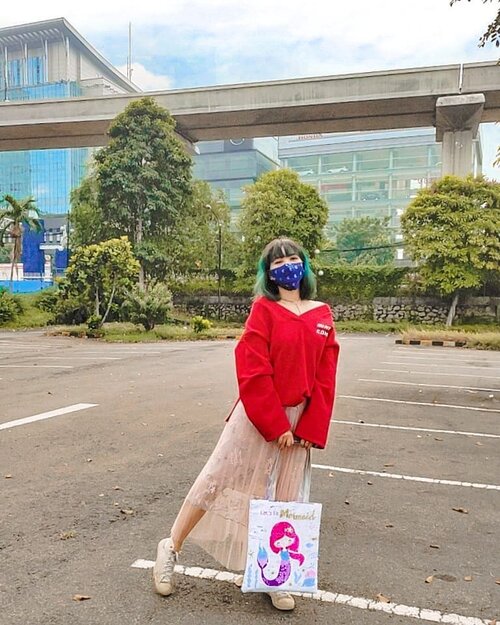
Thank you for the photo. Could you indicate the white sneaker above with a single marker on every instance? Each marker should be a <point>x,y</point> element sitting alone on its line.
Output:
<point>282,600</point>
<point>163,570</point>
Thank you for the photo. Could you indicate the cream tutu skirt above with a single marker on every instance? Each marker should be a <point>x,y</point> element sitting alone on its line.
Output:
<point>239,469</point>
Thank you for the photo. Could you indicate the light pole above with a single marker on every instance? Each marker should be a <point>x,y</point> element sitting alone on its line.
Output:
<point>219,258</point>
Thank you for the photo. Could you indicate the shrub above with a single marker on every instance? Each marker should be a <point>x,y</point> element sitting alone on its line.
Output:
<point>10,306</point>
<point>47,299</point>
<point>69,308</point>
<point>148,307</point>
<point>200,324</point>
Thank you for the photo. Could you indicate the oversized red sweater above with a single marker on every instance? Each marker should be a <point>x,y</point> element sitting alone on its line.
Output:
<point>283,359</point>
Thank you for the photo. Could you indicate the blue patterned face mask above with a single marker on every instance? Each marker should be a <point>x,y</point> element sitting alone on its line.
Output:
<point>288,276</point>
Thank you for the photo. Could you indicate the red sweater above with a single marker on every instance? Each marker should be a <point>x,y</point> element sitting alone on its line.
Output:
<point>283,359</point>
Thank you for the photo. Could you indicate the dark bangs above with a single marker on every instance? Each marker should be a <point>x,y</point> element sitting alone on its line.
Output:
<point>278,248</point>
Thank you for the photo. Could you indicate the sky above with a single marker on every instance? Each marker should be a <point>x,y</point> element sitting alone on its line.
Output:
<point>193,43</point>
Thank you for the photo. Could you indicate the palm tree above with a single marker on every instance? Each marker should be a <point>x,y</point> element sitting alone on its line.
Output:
<point>12,220</point>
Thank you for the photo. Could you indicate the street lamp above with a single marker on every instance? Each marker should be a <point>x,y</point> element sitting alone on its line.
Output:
<point>219,258</point>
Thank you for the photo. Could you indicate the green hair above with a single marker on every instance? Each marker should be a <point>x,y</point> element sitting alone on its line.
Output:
<point>278,248</point>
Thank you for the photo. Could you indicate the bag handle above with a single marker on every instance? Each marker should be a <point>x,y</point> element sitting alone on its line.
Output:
<point>305,487</point>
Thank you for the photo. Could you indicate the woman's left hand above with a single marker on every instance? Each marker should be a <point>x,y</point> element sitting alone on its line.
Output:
<point>305,444</point>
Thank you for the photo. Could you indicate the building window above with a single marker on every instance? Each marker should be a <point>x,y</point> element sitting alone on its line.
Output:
<point>35,70</point>
<point>15,73</point>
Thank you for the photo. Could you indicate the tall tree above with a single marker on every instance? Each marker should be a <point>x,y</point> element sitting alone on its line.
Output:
<point>279,204</point>
<point>13,219</point>
<point>452,230</point>
<point>86,217</point>
<point>144,175</point>
<point>356,236</point>
<point>195,239</point>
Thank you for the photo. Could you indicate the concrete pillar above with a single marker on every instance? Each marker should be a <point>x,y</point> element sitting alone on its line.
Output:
<point>457,124</point>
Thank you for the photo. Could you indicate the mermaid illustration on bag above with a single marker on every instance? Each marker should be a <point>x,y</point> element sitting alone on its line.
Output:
<point>283,540</point>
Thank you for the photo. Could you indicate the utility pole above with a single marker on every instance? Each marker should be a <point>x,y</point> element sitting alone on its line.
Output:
<point>219,260</point>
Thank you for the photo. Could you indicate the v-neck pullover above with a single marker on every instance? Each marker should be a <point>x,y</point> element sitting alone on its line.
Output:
<point>284,359</point>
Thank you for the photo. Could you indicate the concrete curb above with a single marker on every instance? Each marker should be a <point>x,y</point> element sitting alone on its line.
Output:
<point>430,342</point>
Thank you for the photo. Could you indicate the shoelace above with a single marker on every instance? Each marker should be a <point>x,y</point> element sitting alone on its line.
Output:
<point>168,566</point>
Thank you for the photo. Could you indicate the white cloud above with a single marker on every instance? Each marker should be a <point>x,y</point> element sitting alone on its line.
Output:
<point>146,80</point>
<point>392,32</point>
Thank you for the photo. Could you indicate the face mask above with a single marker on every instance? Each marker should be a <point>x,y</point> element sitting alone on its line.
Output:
<point>288,276</point>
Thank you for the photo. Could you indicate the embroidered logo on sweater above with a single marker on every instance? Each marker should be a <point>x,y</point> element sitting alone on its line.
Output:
<point>323,329</point>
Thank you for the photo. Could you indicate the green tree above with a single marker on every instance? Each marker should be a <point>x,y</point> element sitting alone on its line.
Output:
<point>13,219</point>
<point>356,235</point>
<point>452,230</point>
<point>97,272</point>
<point>195,239</point>
<point>144,175</point>
<point>86,217</point>
<point>279,204</point>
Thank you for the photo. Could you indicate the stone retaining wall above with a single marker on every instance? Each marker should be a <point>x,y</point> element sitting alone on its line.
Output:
<point>382,309</point>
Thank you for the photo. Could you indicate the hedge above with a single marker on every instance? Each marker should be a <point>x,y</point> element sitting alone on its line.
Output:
<point>358,283</point>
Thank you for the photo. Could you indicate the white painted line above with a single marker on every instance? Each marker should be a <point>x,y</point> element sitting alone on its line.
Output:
<point>401,427</point>
<point>123,351</point>
<point>419,403</point>
<point>46,415</point>
<point>77,357</point>
<point>445,358</point>
<point>410,478</point>
<point>427,350</point>
<point>423,614</point>
<point>425,364</point>
<point>37,366</point>
<point>434,373</point>
<point>465,388</point>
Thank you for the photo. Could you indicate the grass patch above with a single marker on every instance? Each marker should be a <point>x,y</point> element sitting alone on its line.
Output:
<point>478,336</point>
<point>31,316</point>
<point>130,333</point>
<point>473,339</point>
<point>370,326</point>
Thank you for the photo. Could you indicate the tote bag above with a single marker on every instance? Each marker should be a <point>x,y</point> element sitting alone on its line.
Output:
<point>283,541</point>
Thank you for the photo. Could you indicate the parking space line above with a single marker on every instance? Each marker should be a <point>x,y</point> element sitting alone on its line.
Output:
<point>426,364</point>
<point>76,356</point>
<point>444,358</point>
<point>401,427</point>
<point>37,366</point>
<point>465,388</point>
<point>423,614</point>
<point>434,373</point>
<point>410,478</point>
<point>418,403</point>
<point>46,415</point>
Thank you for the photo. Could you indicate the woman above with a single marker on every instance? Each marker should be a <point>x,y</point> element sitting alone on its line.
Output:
<point>286,364</point>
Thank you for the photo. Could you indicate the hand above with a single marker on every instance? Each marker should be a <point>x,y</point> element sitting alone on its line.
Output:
<point>285,440</point>
<point>305,444</point>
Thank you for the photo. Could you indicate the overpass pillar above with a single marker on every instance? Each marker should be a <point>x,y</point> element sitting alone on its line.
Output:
<point>457,124</point>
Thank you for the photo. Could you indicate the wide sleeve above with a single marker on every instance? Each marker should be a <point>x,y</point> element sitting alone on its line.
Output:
<point>315,421</point>
<point>255,376</point>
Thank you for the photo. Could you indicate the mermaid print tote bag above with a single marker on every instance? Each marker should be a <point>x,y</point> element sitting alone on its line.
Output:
<point>283,546</point>
<point>283,541</point>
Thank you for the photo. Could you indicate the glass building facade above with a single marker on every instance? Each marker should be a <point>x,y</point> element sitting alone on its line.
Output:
<point>50,60</point>
<point>231,165</point>
<point>372,174</point>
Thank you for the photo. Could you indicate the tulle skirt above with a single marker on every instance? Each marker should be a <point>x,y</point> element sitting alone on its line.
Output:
<point>240,469</point>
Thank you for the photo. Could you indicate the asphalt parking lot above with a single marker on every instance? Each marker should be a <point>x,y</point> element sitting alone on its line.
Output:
<point>99,444</point>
